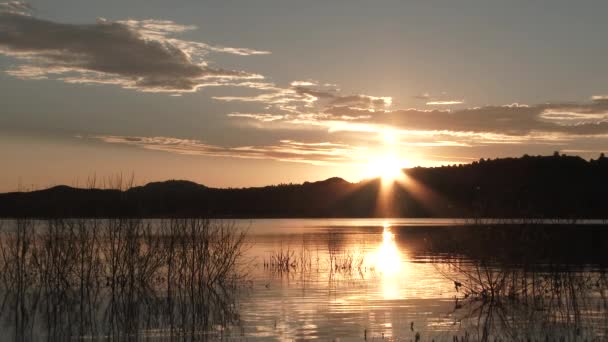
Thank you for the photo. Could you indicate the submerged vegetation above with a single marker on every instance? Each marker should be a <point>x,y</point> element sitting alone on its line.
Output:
<point>120,278</point>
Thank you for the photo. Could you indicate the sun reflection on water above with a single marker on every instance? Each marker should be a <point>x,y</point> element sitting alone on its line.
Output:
<point>388,263</point>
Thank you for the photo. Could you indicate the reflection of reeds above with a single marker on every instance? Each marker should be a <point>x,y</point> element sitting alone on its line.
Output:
<point>346,261</point>
<point>177,276</point>
<point>285,260</point>
<point>527,281</point>
<point>18,260</point>
<point>522,303</point>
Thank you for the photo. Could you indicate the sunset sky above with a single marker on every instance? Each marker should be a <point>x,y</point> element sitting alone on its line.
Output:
<point>248,93</point>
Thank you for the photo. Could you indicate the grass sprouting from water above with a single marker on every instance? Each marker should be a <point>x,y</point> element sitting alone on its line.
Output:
<point>120,278</point>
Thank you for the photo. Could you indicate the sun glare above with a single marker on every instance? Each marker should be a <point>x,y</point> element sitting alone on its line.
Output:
<point>389,137</point>
<point>389,168</point>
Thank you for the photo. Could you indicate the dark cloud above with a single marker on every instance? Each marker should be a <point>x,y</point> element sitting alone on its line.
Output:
<point>133,54</point>
<point>563,120</point>
<point>589,118</point>
<point>332,98</point>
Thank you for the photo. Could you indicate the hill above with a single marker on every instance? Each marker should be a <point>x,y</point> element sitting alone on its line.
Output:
<point>530,186</point>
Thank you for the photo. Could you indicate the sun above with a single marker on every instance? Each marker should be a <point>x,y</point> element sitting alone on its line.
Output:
<point>388,168</point>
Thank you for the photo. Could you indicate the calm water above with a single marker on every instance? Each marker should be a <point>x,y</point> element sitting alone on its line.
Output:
<point>357,279</point>
<point>392,289</point>
<point>405,286</point>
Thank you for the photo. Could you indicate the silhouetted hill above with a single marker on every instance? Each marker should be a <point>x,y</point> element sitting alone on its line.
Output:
<point>540,186</point>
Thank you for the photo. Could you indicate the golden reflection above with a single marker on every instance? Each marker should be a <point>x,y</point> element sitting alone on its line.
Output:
<point>388,259</point>
<point>388,264</point>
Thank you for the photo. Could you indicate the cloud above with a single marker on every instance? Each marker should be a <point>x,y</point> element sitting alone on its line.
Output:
<point>285,99</point>
<point>147,55</point>
<point>514,120</point>
<point>492,119</point>
<point>444,103</point>
<point>512,123</point>
<point>595,152</point>
<point>423,96</point>
<point>323,153</point>
<point>141,55</point>
<point>439,143</point>
<point>16,7</point>
<point>437,100</point>
<point>258,117</point>
<point>341,148</point>
<point>301,96</point>
<point>331,97</point>
<point>599,98</point>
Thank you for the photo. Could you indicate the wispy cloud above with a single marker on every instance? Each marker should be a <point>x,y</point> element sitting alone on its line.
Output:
<point>304,96</point>
<point>330,96</point>
<point>148,56</point>
<point>515,120</point>
<point>258,117</point>
<point>444,103</point>
<point>16,7</point>
<point>599,98</point>
<point>438,143</point>
<point>440,100</point>
<point>135,54</point>
<point>423,96</point>
<point>320,153</point>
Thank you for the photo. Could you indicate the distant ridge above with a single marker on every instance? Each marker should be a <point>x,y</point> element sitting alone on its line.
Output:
<point>540,186</point>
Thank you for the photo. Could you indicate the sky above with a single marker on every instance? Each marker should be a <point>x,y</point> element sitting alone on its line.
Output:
<point>249,93</point>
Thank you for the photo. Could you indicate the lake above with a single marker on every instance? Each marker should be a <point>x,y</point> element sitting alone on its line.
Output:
<point>402,290</point>
<point>397,279</point>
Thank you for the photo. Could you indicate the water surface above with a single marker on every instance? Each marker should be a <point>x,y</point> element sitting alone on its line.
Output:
<point>406,283</point>
<point>358,279</point>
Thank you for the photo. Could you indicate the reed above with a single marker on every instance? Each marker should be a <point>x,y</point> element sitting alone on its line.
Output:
<point>120,277</point>
<point>553,298</point>
<point>305,263</point>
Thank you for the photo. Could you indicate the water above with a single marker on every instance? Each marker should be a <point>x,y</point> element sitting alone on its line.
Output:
<point>358,279</point>
<point>390,290</point>
<point>404,287</point>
